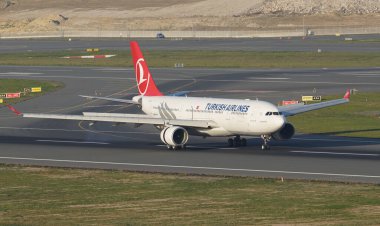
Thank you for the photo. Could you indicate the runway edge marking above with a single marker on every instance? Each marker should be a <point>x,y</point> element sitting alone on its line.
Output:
<point>73,142</point>
<point>191,167</point>
<point>335,153</point>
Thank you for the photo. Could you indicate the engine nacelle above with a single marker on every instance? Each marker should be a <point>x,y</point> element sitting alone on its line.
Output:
<point>174,136</point>
<point>285,133</point>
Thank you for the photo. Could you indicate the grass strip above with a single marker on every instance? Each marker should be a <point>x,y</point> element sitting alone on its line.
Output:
<point>359,118</point>
<point>213,59</point>
<point>53,196</point>
<point>18,85</point>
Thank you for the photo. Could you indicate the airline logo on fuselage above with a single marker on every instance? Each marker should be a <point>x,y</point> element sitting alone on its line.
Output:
<point>227,107</point>
<point>142,77</point>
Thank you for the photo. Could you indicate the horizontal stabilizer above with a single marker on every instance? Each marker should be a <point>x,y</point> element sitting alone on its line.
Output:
<point>110,99</point>
<point>180,94</point>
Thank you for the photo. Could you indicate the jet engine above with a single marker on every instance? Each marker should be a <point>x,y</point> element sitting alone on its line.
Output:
<point>174,136</point>
<point>285,132</point>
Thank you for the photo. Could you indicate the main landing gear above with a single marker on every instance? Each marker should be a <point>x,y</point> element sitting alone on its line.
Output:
<point>266,139</point>
<point>176,148</point>
<point>237,142</point>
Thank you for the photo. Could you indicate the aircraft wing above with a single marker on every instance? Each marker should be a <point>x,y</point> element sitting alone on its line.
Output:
<point>291,110</point>
<point>110,99</point>
<point>126,118</point>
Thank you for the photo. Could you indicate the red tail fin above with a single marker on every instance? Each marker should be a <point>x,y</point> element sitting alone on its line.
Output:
<point>145,82</point>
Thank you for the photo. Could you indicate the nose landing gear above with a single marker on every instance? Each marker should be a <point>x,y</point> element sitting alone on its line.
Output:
<point>266,139</point>
<point>237,142</point>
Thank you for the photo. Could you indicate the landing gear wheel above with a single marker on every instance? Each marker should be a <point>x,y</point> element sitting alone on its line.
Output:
<point>230,142</point>
<point>237,141</point>
<point>243,142</point>
<point>174,148</point>
<point>266,139</point>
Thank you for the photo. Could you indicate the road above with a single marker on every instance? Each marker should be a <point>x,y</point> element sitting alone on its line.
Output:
<point>103,145</point>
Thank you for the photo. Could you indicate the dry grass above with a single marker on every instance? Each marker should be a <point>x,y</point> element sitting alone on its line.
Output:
<point>18,85</point>
<point>359,118</point>
<point>38,196</point>
<point>213,59</point>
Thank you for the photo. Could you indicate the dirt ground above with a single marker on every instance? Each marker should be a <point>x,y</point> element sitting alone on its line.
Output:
<point>41,15</point>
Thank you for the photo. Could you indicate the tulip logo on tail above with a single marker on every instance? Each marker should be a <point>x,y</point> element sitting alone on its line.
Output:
<point>145,81</point>
<point>142,77</point>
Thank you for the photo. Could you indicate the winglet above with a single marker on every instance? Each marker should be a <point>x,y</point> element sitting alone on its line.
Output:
<point>13,109</point>
<point>347,95</point>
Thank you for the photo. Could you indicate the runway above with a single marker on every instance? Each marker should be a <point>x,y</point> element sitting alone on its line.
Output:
<point>76,144</point>
<point>361,43</point>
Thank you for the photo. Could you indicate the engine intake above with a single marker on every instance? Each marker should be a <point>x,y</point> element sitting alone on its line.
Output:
<point>285,133</point>
<point>174,136</point>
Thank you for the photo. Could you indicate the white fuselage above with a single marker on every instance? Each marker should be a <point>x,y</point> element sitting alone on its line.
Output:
<point>232,116</point>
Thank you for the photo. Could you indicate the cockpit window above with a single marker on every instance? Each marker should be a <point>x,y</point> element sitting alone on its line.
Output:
<point>273,113</point>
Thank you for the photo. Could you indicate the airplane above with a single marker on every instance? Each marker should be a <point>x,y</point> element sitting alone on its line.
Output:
<point>178,116</point>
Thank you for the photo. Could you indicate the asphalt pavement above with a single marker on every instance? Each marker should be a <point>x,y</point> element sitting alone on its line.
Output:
<point>103,145</point>
<point>360,43</point>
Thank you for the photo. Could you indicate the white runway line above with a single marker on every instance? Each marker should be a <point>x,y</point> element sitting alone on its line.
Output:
<point>336,153</point>
<point>192,167</point>
<point>302,75</point>
<point>234,91</point>
<point>368,76</point>
<point>66,76</point>
<point>40,129</point>
<point>201,80</point>
<point>113,69</point>
<point>20,73</point>
<point>72,142</point>
<point>339,140</point>
<point>58,70</point>
<point>269,78</point>
<point>358,73</point>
